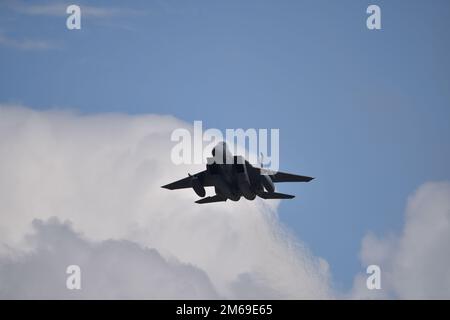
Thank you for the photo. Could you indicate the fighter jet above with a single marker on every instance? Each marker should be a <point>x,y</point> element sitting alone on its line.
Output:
<point>234,177</point>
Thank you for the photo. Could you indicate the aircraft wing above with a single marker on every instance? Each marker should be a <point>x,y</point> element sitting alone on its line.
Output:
<point>285,177</point>
<point>203,176</point>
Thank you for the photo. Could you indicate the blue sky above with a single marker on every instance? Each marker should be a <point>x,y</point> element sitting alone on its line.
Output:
<point>365,112</point>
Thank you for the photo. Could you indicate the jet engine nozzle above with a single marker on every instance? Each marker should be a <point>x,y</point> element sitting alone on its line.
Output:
<point>267,183</point>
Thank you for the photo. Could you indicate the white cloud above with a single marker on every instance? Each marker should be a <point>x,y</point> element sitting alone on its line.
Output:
<point>59,9</point>
<point>103,173</point>
<point>25,44</point>
<point>415,264</point>
<point>110,269</point>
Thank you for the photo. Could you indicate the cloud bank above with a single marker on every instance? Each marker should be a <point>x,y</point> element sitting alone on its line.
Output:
<point>131,238</point>
<point>415,264</point>
<point>109,269</point>
<point>85,190</point>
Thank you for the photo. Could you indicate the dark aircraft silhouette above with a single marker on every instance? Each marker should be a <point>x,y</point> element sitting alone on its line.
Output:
<point>233,177</point>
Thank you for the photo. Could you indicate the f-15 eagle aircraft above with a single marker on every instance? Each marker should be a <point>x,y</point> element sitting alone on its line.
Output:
<point>234,177</point>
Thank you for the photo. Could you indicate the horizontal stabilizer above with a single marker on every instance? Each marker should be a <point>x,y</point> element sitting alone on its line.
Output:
<point>275,195</point>
<point>215,198</point>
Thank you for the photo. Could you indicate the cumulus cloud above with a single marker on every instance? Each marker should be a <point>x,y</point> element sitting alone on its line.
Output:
<point>415,264</point>
<point>103,173</point>
<point>109,269</point>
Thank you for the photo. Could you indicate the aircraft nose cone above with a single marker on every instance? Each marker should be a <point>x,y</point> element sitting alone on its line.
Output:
<point>220,149</point>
